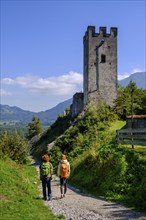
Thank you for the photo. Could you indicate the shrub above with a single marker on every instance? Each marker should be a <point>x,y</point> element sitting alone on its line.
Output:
<point>15,147</point>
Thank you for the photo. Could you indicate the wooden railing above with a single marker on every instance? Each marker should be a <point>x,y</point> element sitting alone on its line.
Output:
<point>132,136</point>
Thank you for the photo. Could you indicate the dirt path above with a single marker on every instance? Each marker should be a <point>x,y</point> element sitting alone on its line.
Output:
<point>77,206</point>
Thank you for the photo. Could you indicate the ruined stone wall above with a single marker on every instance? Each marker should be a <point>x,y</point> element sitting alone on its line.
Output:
<point>77,105</point>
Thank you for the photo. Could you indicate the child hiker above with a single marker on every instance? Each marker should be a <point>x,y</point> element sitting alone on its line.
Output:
<point>63,173</point>
<point>46,171</point>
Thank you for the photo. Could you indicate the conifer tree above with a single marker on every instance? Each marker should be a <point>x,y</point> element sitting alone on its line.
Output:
<point>131,100</point>
<point>34,127</point>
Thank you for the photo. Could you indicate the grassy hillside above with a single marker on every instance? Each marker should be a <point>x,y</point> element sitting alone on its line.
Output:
<point>112,171</point>
<point>99,165</point>
<point>19,193</point>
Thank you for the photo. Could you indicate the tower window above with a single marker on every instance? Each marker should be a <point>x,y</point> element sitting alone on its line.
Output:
<point>103,58</point>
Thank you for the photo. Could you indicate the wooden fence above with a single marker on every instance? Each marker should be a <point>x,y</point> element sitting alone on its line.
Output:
<point>132,136</point>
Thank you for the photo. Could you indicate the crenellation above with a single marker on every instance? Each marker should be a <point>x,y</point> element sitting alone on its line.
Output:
<point>91,29</point>
<point>113,31</point>
<point>102,31</point>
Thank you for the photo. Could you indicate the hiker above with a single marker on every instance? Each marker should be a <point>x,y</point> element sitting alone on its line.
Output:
<point>63,173</point>
<point>46,171</point>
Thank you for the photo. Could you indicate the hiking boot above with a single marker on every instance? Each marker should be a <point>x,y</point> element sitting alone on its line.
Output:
<point>50,198</point>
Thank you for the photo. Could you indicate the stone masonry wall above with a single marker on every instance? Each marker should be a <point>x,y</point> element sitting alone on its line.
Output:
<point>100,65</point>
<point>77,105</point>
<point>100,69</point>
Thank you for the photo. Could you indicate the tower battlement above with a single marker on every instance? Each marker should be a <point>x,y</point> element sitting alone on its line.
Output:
<point>102,31</point>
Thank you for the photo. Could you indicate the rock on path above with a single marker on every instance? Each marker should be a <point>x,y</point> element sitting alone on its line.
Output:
<point>78,206</point>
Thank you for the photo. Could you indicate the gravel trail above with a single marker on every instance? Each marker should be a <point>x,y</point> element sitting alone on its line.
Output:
<point>78,206</point>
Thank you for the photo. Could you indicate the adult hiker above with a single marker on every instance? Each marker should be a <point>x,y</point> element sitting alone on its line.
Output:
<point>63,173</point>
<point>46,172</point>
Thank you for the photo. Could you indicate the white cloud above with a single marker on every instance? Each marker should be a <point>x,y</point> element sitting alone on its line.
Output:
<point>4,93</point>
<point>66,84</point>
<point>123,76</point>
<point>127,74</point>
<point>8,81</point>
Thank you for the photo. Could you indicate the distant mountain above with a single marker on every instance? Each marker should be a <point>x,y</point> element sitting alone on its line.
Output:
<point>20,116</point>
<point>139,78</point>
<point>52,114</point>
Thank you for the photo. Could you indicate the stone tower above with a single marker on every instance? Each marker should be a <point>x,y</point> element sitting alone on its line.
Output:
<point>100,66</point>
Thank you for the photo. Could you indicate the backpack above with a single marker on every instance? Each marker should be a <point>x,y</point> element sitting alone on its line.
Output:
<point>45,169</point>
<point>64,170</point>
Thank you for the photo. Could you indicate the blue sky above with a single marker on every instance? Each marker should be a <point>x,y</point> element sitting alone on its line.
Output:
<point>42,46</point>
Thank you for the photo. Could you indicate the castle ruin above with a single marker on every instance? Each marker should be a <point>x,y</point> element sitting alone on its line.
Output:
<point>99,70</point>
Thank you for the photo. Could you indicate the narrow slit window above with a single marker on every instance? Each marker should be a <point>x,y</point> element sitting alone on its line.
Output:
<point>103,58</point>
